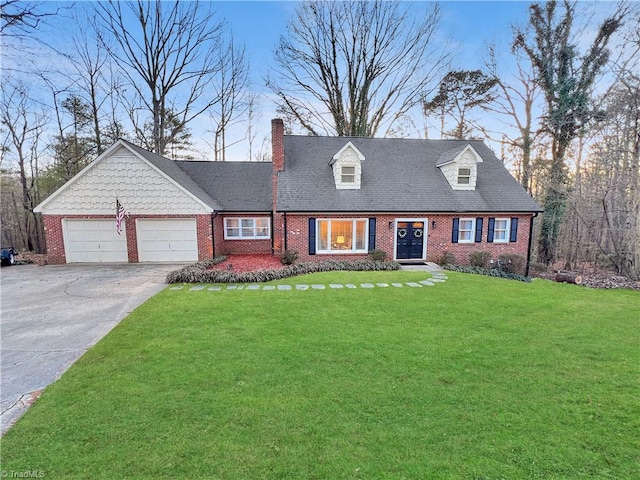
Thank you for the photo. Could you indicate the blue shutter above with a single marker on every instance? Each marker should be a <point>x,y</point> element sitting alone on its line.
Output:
<point>478,230</point>
<point>454,232</point>
<point>514,230</point>
<point>312,236</point>
<point>372,233</point>
<point>492,224</point>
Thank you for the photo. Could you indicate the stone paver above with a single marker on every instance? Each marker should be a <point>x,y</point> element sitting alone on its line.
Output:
<point>436,277</point>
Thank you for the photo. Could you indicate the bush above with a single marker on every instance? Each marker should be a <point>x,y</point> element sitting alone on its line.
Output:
<point>378,255</point>
<point>491,272</point>
<point>200,272</point>
<point>447,258</point>
<point>536,268</point>
<point>604,261</point>
<point>479,259</point>
<point>512,263</point>
<point>289,257</point>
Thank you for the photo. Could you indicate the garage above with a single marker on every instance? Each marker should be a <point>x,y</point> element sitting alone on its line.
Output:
<point>167,240</point>
<point>94,241</point>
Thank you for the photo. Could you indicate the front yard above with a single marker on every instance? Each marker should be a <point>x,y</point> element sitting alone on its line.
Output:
<point>474,378</point>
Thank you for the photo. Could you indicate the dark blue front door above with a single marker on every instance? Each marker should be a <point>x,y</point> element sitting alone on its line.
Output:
<point>409,240</point>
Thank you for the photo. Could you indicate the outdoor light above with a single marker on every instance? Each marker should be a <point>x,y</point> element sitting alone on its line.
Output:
<point>433,224</point>
<point>391,224</point>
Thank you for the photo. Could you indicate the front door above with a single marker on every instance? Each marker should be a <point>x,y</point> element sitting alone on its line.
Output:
<point>409,240</point>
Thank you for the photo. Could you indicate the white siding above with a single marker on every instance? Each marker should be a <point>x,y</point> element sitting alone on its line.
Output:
<point>141,189</point>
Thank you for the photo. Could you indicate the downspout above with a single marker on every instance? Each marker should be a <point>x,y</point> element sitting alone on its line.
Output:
<point>285,230</point>
<point>526,271</point>
<point>213,234</point>
<point>273,237</point>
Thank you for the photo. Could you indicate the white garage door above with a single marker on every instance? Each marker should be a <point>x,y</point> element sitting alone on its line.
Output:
<point>173,240</point>
<point>94,241</point>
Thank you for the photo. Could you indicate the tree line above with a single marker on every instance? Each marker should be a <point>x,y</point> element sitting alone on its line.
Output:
<point>146,71</point>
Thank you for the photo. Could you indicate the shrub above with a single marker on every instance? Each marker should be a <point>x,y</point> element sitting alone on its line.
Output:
<point>511,263</point>
<point>537,268</point>
<point>604,261</point>
<point>200,272</point>
<point>491,272</point>
<point>479,259</point>
<point>289,257</point>
<point>447,258</point>
<point>378,255</point>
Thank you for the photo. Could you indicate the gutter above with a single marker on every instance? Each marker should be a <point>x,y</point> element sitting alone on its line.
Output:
<point>526,271</point>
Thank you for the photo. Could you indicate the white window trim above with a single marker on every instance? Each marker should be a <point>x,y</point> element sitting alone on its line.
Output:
<point>507,233</point>
<point>473,230</point>
<point>350,175</point>
<point>319,251</point>
<point>255,236</point>
<point>458,176</point>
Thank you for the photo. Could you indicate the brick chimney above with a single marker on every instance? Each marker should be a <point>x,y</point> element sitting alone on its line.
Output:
<point>277,144</point>
<point>277,160</point>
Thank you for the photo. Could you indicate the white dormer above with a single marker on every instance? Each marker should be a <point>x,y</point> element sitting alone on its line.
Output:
<point>347,167</point>
<point>459,167</point>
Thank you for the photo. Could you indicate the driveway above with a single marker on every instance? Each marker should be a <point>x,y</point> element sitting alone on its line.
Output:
<point>52,315</point>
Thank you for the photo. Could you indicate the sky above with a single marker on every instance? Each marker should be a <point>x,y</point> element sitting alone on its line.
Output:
<point>466,27</point>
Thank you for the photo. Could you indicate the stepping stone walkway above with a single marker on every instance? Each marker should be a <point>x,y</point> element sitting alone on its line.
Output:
<point>436,277</point>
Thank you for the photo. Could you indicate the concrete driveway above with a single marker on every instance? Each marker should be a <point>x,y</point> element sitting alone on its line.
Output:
<point>52,315</point>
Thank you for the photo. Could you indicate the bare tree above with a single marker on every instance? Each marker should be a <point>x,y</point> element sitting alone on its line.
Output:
<point>169,51</point>
<point>516,100</point>
<point>24,128</point>
<point>231,88</point>
<point>353,67</point>
<point>566,81</point>
<point>19,17</point>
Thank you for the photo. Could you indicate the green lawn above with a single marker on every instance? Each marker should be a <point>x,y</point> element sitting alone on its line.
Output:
<point>475,378</point>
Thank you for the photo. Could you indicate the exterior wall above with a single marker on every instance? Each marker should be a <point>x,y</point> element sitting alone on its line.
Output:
<point>55,238</point>
<point>139,187</point>
<point>239,247</point>
<point>438,237</point>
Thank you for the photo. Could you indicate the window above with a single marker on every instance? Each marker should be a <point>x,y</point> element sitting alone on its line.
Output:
<point>464,176</point>
<point>466,230</point>
<point>348,175</point>
<point>342,236</point>
<point>501,230</point>
<point>247,228</point>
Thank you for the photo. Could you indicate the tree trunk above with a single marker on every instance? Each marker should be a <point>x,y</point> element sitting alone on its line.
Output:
<point>568,277</point>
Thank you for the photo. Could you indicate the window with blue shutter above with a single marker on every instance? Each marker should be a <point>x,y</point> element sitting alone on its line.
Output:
<point>492,223</point>
<point>372,234</point>
<point>312,236</point>
<point>514,230</point>
<point>478,230</point>
<point>454,231</point>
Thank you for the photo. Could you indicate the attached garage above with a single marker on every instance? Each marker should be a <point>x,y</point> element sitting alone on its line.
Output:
<point>167,240</point>
<point>94,241</point>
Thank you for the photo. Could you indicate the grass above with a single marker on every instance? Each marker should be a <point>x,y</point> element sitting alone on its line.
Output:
<point>475,378</point>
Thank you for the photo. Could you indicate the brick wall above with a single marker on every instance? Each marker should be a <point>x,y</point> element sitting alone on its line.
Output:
<point>55,238</point>
<point>438,239</point>
<point>277,161</point>
<point>239,247</point>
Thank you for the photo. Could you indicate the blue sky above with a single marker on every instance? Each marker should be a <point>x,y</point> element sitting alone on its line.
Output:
<point>466,27</point>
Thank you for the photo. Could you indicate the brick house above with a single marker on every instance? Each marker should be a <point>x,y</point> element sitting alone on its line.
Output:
<point>324,197</point>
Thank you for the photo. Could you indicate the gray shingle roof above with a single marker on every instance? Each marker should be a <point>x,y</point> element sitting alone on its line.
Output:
<point>172,170</point>
<point>236,186</point>
<point>398,175</point>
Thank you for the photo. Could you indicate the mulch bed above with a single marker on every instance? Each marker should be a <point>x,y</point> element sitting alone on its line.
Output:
<point>249,263</point>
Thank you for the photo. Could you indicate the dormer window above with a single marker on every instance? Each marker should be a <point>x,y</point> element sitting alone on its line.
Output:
<point>348,175</point>
<point>347,167</point>
<point>464,176</point>
<point>460,167</point>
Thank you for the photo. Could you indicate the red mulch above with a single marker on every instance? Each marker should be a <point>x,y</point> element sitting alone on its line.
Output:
<point>249,263</point>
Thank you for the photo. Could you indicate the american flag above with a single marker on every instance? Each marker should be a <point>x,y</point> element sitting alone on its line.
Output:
<point>120,214</point>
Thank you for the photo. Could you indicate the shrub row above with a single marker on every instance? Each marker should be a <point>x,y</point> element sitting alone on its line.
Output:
<point>200,272</point>
<point>491,272</point>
